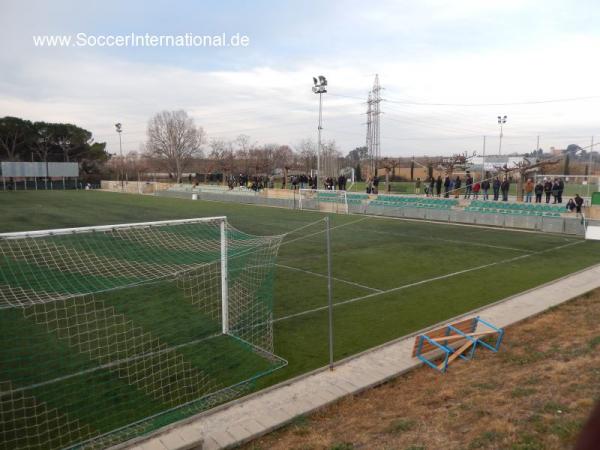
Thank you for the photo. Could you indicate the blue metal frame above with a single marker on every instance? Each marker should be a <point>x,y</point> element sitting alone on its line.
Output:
<point>449,350</point>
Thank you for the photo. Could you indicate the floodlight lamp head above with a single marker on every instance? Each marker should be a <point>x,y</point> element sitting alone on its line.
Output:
<point>118,127</point>
<point>315,81</point>
<point>323,80</point>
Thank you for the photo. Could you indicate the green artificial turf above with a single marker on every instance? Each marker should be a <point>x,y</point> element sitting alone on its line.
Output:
<point>393,277</point>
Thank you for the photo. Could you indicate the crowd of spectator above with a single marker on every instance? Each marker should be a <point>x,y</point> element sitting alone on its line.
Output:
<point>472,189</point>
<point>256,183</point>
<point>500,187</point>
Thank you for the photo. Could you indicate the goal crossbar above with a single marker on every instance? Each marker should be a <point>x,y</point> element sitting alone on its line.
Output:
<point>59,231</point>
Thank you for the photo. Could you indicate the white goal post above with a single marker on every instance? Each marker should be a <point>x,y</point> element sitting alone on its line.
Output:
<point>323,200</point>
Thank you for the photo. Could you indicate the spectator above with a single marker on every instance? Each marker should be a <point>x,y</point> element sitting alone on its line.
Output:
<point>539,190</point>
<point>447,187</point>
<point>561,188</point>
<point>369,185</point>
<point>341,183</point>
<point>505,187</point>
<point>578,203</point>
<point>376,184</point>
<point>555,191</point>
<point>496,187</point>
<point>571,206</point>
<point>468,185</point>
<point>485,187</point>
<point>457,184</point>
<point>418,186</point>
<point>528,190</point>
<point>438,186</point>
<point>431,185</point>
<point>476,189</point>
<point>547,189</point>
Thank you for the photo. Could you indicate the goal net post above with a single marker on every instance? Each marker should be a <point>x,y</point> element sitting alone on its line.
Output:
<point>323,200</point>
<point>111,332</point>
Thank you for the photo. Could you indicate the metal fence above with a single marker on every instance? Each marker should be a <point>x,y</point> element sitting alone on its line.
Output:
<point>8,184</point>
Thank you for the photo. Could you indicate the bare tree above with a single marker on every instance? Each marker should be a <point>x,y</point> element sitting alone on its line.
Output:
<point>283,158</point>
<point>174,138</point>
<point>307,152</point>
<point>221,152</point>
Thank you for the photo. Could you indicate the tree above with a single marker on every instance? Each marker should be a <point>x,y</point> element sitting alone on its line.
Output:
<point>358,154</point>
<point>14,133</point>
<point>307,152</point>
<point>358,173</point>
<point>283,158</point>
<point>44,135</point>
<point>174,138</point>
<point>71,139</point>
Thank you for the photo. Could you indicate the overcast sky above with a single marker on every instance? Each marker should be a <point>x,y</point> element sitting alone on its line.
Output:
<point>434,58</point>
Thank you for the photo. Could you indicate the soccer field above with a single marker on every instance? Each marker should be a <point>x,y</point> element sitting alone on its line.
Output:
<point>392,277</point>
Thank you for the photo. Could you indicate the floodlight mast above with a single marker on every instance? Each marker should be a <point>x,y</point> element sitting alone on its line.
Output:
<point>319,87</point>
<point>119,128</point>
<point>501,122</point>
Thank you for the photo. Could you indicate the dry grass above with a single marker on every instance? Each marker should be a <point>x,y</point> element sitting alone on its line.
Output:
<point>535,394</point>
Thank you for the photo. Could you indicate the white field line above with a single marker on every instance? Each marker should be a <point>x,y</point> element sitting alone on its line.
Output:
<point>321,231</point>
<point>451,241</point>
<point>428,280</point>
<point>325,276</point>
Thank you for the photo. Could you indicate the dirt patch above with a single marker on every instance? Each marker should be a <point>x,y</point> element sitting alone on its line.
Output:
<point>536,393</point>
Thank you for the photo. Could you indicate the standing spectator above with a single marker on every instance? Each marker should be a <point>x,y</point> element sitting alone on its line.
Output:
<point>431,185</point>
<point>578,203</point>
<point>457,184</point>
<point>505,187</point>
<point>438,186</point>
<point>468,185</point>
<point>528,190</point>
<point>496,187</point>
<point>341,182</point>
<point>539,190</point>
<point>555,191</point>
<point>485,187</point>
<point>447,187</point>
<point>561,188</point>
<point>418,186</point>
<point>476,189</point>
<point>376,184</point>
<point>369,185</point>
<point>547,189</point>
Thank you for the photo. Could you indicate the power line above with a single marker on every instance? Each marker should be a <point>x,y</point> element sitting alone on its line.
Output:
<point>530,102</point>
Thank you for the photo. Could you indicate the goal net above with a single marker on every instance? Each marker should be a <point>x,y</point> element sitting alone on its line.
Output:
<point>323,200</point>
<point>111,332</point>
